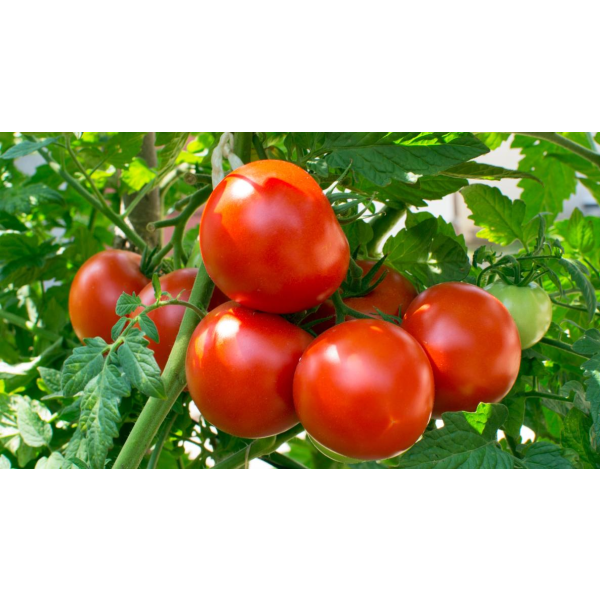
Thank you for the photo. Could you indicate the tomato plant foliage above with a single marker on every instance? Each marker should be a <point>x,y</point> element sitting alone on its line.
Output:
<point>104,401</point>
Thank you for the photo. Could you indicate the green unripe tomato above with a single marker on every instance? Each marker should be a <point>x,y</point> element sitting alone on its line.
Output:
<point>333,455</point>
<point>530,307</point>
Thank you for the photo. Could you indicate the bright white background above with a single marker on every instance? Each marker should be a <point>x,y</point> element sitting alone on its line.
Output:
<point>315,65</point>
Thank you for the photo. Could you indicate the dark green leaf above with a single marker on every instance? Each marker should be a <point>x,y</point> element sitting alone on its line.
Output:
<point>25,148</point>
<point>583,284</point>
<point>381,157</point>
<point>140,366</point>
<point>148,327</point>
<point>126,304</point>
<point>426,255</point>
<point>545,455</point>
<point>51,379</point>
<point>115,332</point>
<point>467,441</point>
<point>576,435</point>
<point>83,365</point>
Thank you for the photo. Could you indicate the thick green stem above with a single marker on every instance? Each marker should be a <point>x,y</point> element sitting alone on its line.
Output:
<point>258,448</point>
<point>242,145</point>
<point>163,434</point>
<point>156,410</point>
<point>382,226</point>
<point>561,140</point>
<point>561,345</point>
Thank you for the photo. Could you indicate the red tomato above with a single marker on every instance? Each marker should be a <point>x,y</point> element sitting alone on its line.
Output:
<point>472,342</point>
<point>270,239</point>
<point>240,366</point>
<point>392,297</point>
<point>364,389</point>
<point>168,318</point>
<point>97,287</point>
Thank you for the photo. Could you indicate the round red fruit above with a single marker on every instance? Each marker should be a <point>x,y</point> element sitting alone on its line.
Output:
<point>270,239</point>
<point>240,366</point>
<point>364,389</point>
<point>472,342</point>
<point>96,288</point>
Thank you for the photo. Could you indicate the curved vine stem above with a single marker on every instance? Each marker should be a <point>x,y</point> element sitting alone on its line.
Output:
<point>563,142</point>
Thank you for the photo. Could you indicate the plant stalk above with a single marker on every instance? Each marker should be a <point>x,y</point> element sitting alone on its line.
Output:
<point>156,410</point>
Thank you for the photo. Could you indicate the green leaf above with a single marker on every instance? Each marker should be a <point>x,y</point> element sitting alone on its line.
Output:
<point>123,147</point>
<point>576,435</point>
<point>592,186</point>
<point>126,304</point>
<point>500,219</point>
<point>476,170</point>
<point>558,178</point>
<point>516,416</point>
<point>148,327</point>
<point>588,344</point>
<point>358,233</point>
<point>467,441</point>
<point>545,455</point>
<point>425,254</point>
<point>25,148</point>
<point>493,140</point>
<point>140,366</point>
<point>115,332</point>
<point>583,284</point>
<point>35,432</point>
<point>414,218</point>
<point>4,462</point>
<point>98,424</point>
<point>381,157</point>
<point>137,175</point>
<point>51,379</point>
<point>21,199</point>
<point>578,231</point>
<point>55,461</point>
<point>428,187</point>
<point>83,365</point>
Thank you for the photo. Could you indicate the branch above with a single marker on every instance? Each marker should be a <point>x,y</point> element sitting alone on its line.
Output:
<point>561,140</point>
<point>156,410</point>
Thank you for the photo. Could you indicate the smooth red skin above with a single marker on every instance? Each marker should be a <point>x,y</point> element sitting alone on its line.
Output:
<point>270,239</point>
<point>240,367</point>
<point>97,287</point>
<point>472,342</point>
<point>392,297</point>
<point>168,318</point>
<point>364,389</point>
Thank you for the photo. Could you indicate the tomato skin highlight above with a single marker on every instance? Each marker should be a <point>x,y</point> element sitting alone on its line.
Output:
<point>270,239</point>
<point>364,389</point>
<point>472,342</point>
<point>240,366</point>
<point>96,288</point>
<point>168,318</point>
<point>530,307</point>
<point>392,297</point>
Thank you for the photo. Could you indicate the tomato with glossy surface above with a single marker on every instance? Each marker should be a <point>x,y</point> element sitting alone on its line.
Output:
<point>168,318</point>
<point>472,343</point>
<point>96,288</point>
<point>392,297</point>
<point>240,366</point>
<point>364,389</point>
<point>530,307</point>
<point>270,239</point>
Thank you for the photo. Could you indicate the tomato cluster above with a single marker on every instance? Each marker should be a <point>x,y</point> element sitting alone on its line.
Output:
<point>364,389</point>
